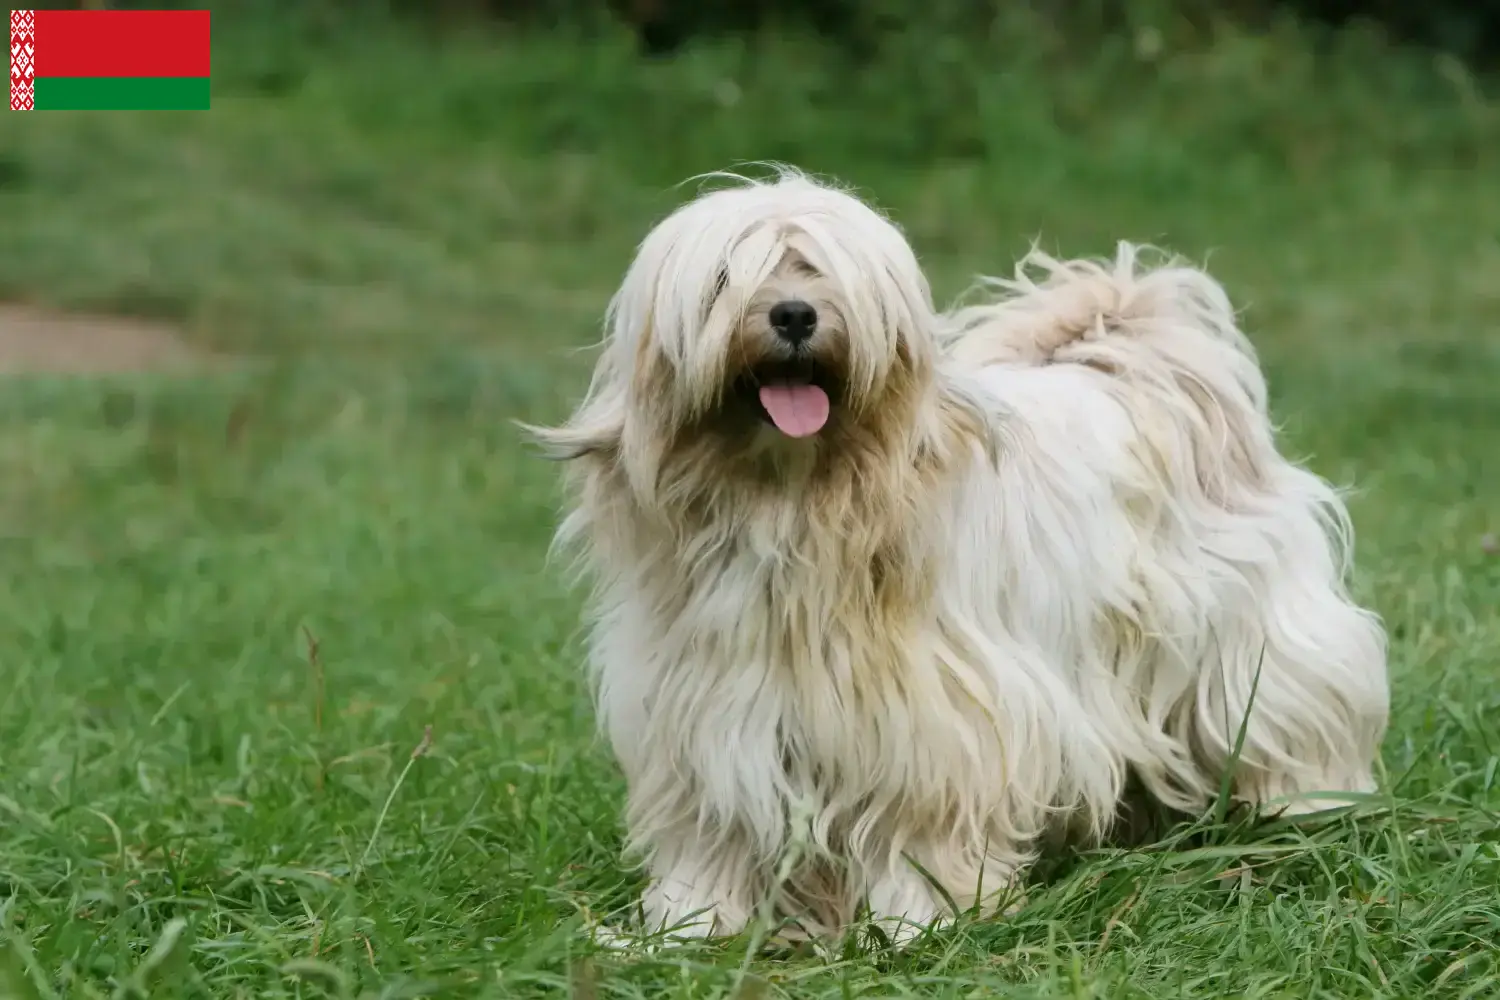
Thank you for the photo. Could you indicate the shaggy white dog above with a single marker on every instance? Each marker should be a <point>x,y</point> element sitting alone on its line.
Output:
<point>908,591</point>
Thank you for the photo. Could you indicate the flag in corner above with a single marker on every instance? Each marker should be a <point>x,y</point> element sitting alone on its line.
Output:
<point>109,60</point>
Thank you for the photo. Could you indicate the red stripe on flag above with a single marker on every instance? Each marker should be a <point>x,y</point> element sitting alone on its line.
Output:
<point>115,43</point>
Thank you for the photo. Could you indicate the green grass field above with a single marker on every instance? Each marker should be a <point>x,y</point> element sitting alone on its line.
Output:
<point>403,256</point>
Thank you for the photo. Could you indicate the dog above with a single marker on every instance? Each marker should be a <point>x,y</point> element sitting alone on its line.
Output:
<point>882,597</point>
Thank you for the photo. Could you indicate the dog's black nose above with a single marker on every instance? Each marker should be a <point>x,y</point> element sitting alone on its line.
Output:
<point>794,320</point>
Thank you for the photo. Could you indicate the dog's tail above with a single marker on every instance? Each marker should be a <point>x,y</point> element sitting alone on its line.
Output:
<point>1167,333</point>
<point>1122,316</point>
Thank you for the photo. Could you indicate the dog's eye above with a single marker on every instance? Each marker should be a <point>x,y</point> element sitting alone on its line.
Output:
<point>806,270</point>
<point>721,282</point>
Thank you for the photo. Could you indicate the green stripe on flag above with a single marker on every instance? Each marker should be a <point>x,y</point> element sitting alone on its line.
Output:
<point>55,93</point>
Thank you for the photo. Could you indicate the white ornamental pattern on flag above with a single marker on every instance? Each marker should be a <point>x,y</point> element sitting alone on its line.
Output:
<point>22,60</point>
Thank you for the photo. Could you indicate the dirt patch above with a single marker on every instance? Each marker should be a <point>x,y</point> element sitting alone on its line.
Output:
<point>36,341</point>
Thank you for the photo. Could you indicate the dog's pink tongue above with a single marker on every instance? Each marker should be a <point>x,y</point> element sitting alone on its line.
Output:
<point>796,410</point>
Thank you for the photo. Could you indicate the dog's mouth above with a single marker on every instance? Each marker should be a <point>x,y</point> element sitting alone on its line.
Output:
<point>796,397</point>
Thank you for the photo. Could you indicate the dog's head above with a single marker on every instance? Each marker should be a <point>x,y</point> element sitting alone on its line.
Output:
<point>760,320</point>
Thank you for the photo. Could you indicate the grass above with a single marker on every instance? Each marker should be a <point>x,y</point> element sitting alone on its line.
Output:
<point>290,704</point>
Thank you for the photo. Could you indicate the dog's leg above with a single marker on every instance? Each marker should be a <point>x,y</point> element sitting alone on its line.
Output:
<point>903,903</point>
<point>1302,670</point>
<point>701,888</point>
<point>905,898</point>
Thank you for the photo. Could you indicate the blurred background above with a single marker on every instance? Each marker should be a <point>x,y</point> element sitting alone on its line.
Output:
<point>465,169</point>
<point>264,514</point>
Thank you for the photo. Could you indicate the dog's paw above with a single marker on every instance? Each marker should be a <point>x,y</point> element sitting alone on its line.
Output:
<point>618,939</point>
<point>903,907</point>
<point>639,942</point>
<point>651,940</point>
<point>901,932</point>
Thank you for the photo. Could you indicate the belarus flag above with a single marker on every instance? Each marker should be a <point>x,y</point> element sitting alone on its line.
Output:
<point>109,60</point>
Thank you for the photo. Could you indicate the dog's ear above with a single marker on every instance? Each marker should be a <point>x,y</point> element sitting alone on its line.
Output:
<point>579,438</point>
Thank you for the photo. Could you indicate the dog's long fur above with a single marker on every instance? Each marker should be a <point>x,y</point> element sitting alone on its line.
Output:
<point>1045,543</point>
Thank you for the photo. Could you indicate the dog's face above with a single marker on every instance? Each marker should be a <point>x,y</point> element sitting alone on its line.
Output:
<point>763,319</point>
<point>789,353</point>
<point>785,307</point>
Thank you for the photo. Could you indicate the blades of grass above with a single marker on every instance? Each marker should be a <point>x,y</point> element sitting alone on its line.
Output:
<point>1226,781</point>
<point>419,750</point>
<point>20,976</point>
